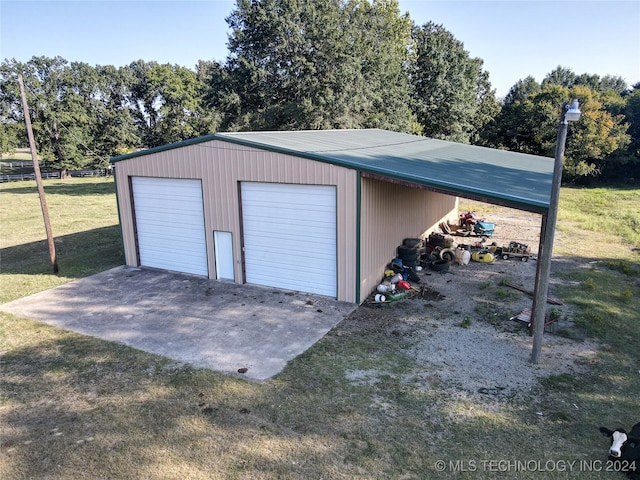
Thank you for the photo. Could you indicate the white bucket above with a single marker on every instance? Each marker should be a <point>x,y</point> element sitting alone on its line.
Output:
<point>463,257</point>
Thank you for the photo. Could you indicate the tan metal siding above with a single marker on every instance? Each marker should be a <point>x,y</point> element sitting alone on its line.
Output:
<point>221,166</point>
<point>391,212</point>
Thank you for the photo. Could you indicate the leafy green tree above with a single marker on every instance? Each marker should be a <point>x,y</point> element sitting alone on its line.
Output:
<point>166,103</point>
<point>208,119</point>
<point>488,107</point>
<point>452,95</point>
<point>113,128</point>
<point>297,64</point>
<point>529,121</point>
<point>12,131</point>
<point>632,115</point>
<point>381,39</point>
<point>507,130</point>
<point>522,90</point>
<point>623,165</point>
<point>594,139</point>
<point>79,114</point>
<point>562,76</point>
<point>11,135</point>
<point>57,113</point>
<point>567,78</point>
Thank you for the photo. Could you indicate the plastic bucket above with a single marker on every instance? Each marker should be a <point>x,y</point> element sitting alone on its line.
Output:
<point>462,256</point>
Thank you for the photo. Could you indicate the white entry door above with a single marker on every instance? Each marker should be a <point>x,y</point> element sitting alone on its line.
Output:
<point>170,224</point>
<point>289,236</point>
<point>223,245</point>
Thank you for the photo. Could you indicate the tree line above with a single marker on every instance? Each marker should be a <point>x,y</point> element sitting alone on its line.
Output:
<point>319,64</point>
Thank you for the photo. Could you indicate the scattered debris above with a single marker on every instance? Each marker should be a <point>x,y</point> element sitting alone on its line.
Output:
<point>517,250</point>
<point>471,224</point>
<point>483,256</point>
<point>428,293</point>
<point>550,300</point>
<point>523,316</point>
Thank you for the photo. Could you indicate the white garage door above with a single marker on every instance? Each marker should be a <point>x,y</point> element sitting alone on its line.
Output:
<point>289,234</point>
<point>170,224</point>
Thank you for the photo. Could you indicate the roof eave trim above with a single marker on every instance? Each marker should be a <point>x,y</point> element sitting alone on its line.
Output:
<point>162,148</point>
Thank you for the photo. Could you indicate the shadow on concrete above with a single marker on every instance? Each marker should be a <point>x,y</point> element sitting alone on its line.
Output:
<point>206,323</point>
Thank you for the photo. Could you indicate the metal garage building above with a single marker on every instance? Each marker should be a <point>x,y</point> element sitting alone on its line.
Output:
<point>313,211</point>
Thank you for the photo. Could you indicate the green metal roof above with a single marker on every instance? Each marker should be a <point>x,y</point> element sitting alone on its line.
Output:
<point>499,176</point>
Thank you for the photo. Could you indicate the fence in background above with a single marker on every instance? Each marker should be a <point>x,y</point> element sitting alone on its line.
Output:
<point>45,175</point>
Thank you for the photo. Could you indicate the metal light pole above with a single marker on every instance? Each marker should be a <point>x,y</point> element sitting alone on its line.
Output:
<point>570,113</point>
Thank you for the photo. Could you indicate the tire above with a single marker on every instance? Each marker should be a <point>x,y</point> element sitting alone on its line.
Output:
<point>410,263</point>
<point>440,266</point>
<point>432,257</point>
<point>447,254</point>
<point>409,256</point>
<point>505,257</point>
<point>404,251</point>
<point>412,242</point>
<point>524,258</point>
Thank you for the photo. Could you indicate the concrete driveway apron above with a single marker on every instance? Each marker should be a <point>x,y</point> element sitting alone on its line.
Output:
<point>206,323</point>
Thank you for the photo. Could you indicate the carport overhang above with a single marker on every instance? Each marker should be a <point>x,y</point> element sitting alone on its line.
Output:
<point>511,179</point>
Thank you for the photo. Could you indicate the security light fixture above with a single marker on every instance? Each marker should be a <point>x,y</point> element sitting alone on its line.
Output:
<point>573,111</point>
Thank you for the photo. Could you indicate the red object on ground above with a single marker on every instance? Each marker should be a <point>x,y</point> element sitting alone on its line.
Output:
<point>403,284</point>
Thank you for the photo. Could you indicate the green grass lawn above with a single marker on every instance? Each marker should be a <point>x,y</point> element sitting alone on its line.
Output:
<point>84,220</point>
<point>76,407</point>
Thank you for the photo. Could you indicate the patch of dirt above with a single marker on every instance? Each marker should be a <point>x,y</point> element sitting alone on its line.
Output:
<point>462,333</point>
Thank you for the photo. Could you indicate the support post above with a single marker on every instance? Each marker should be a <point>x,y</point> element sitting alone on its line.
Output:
<point>549,228</point>
<point>36,169</point>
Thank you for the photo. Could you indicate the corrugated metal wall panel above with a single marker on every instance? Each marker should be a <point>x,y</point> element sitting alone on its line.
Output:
<point>390,213</point>
<point>221,165</point>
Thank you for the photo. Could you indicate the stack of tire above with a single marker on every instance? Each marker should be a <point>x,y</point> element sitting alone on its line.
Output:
<point>410,251</point>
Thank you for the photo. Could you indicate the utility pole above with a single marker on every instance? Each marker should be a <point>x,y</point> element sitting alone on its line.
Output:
<point>570,113</point>
<point>36,169</point>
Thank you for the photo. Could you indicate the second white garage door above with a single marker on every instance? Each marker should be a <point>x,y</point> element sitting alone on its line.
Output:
<point>289,235</point>
<point>170,224</point>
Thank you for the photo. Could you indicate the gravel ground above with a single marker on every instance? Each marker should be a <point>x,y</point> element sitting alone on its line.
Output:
<point>461,331</point>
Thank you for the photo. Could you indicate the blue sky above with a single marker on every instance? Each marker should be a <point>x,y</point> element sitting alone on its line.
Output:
<point>514,38</point>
